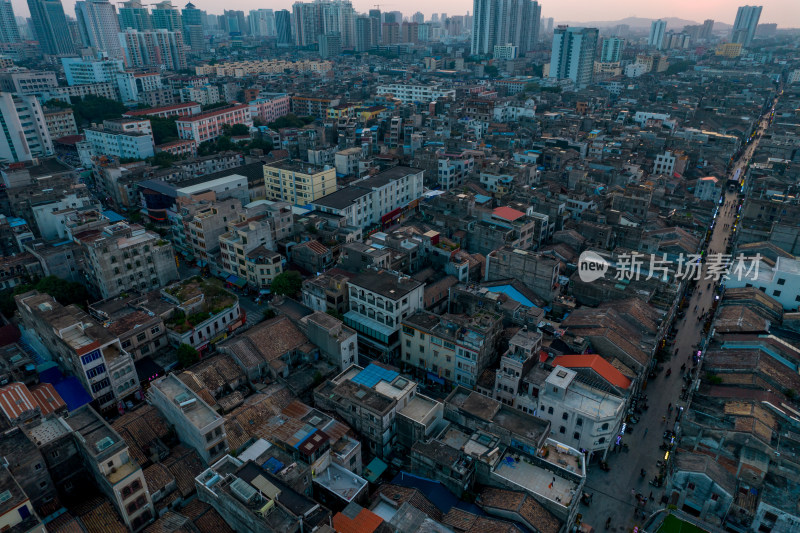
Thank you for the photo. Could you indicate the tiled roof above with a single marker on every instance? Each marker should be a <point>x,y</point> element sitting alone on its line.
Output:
<point>16,399</point>
<point>65,523</point>
<point>157,477</point>
<point>48,399</point>
<point>185,465</point>
<point>508,213</point>
<point>211,522</point>
<point>364,522</point>
<point>171,522</point>
<point>459,519</point>
<point>276,337</point>
<point>529,510</point>
<point>397,495</point>
<point>596,363</point>
<point>103,519</point>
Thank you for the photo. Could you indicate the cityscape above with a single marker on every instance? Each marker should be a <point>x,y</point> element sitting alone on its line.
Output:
<point>507,267</point>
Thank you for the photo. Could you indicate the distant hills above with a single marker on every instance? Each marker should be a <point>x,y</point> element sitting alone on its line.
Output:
<point>639,23</point>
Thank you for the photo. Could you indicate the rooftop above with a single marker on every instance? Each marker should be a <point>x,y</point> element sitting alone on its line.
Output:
<point>194,408</point>
<point>294,165</point>
<point>519,471</point>
<point>341,482</point>
<point>386,284</point>
<point>98,438</point>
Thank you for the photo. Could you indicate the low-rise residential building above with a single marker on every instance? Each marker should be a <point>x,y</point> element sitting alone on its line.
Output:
<point>121,258</point>
<point>297,182</point>
<point>185,109</point>
<point>117,474</point>
<point>450,349</point>
<point>408,93</point>
<point>327,291</point>
<point>208,126</point>
<point>18,513</point>
<point>269,107</point>
<point>384,198</point>
<point>263,265</point>
<point>379,301</point>
<point>205,94</point>
<point>313,256</point>
<point>522,355</point>
<point>368,399</point>
<point>60,122</point>
<point>141,333</point>
<point>780,280</point>
<point>204,312</point>
<point>196,424</point>
<point>537,271</point>
<point>708,189</point>
<point>125,141</point>
<point>335,340</point>
<point>88,350</point>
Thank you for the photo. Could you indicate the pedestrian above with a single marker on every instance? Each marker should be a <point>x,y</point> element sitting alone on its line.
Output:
<point>651,495</point>
<point>645,432</point>
<point>633,492</point>
<point>663,419</point>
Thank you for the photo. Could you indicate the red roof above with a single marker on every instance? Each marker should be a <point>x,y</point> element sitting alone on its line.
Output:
<point>48,399</point>
<point>364,522</point>
<point>508,213</point>
<point>596,363</point>
<point>15,399</point>
<point>153,110</point>
<point>213,113</point>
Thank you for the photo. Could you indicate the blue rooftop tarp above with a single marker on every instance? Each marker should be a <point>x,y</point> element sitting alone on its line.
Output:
<point>370,376</point>
<point>113,216</point>
<point>512,293</point>
<point>69,388</point>
<point>273,465</point>
<point>482,198</point>
<point>15,221</point>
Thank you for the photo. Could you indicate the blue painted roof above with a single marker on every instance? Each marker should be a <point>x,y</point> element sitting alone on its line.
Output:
<point>15,221</point>
<point>113,216</point>
<point>69,388</point>
<point>370,376</point>
<point>437,493</point>
<point>481,198</point>
<point>512,293</point>
<point>273,465</point>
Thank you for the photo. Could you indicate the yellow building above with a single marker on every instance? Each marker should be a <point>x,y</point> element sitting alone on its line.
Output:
<point>729,50</point>
<point>370,113</point>
<point>297,182</point>
<point>341,111</point>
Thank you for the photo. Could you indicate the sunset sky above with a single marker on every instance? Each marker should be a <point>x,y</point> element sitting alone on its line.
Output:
<point>786,13</point>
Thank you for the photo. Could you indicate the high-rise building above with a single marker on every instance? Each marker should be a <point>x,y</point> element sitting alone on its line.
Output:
<point>418,17</point>
<point>262,22</point>
<point>376,14</point>
<point>191,16</point>
<point>498,22</point>
<point>573,54</point>
<point>367,33</point>
<point>321,18</point>
<point>612,50</point>
<point>9,31</point>
<point>330,45</point>
<point>133,15</point>
<point>657,30</point>
<point>744,27</point>
<point>234,22</point>
<point>157,48</point>
<point>166,17</point>
<point>18,142</point>
<point>708,27</point>
<point>283,26</point>
<point>97,20</point>
<point>192,20</point>
<point>50,26</point>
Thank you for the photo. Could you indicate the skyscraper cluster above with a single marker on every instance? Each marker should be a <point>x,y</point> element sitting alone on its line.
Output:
<point>500,22</point>
<point>313,19</point>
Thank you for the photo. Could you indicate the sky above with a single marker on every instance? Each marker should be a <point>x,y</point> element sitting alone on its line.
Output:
<point>786,13</point>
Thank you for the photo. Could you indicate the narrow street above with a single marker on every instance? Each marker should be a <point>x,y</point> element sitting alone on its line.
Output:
<point>615,492</point>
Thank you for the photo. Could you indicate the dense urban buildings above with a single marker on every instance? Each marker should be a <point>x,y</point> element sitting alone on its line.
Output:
<point>326,267</point>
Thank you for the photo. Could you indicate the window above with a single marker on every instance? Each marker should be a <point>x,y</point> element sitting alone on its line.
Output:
<point>549,410</point>
<point>579,421</point>
<point>37,466</point>
<point>576,436</point>
<point>690,486</point>
<point>141,337</point>
<point>714,496</point>
<point>776,293</point>
<point>562,429</point>
<point>781,281</point>
<point>565,416</point>
<point>604,426</point>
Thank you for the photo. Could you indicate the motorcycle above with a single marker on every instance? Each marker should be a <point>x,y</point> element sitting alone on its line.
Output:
<point>669,372</point>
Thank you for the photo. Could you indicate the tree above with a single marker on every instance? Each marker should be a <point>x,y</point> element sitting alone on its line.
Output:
<point>164,129</point>
<point>187,355</point>
<point>287,283</point>
<point>290,121</point>
<point>269,314</point>
<point>64,292</point>
<point>92,108</point>
<point>162,159</point>
<point>239,129</point>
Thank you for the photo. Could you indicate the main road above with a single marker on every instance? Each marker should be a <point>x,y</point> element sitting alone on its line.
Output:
<point>615,492</point>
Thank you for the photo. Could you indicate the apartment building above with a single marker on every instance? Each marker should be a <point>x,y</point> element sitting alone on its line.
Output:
<point>450,349</point>
<point>297,182</point>
<point>379,302</point>
<point>196,423</point>
<point>87,350</point>
<point>269,107</point>
<point>141,333</point>
<point>520,357</point>
<point>198,225</point>
<point>263,265</point>
<point>202,94</point>
<point>159,49</point>
<point>185,109</point>
<point>380,199</point>
<point>79,71</point>
<point>123,138</point>
<point>208,126</point>
<point>60,122</point>
<point>19,513</point>
<point>123,258</point>
<point>416,93</point>
<point>24,135</point>
<point>244,236</point>
<point>27,82</point>
<point>326,291</point>
<point>537,271</point>
<point>580,416</point>
<point>310,106</point>
<point>116,473</point>
<point>368,400</point>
